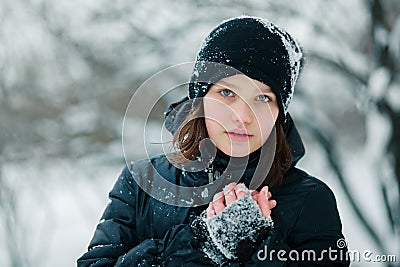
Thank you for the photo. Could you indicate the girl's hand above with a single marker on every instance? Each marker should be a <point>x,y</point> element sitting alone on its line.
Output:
<point>233,191</point>
<point>229,194</point>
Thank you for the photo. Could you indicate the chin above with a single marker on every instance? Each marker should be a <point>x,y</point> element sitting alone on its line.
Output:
<point>237,153</point>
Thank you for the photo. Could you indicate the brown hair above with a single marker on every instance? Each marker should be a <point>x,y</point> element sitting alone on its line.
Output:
<point>193,129</point>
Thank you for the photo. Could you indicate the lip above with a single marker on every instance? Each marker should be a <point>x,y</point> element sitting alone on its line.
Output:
<point>239,135</point>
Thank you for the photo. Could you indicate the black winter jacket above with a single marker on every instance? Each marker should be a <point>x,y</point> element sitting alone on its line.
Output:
<point>138,230</point>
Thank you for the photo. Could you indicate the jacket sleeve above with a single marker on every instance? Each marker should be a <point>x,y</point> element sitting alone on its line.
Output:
<point>316,238</point>
<point>180,247</point>
<point>115,241</point>
<point>115,234</point>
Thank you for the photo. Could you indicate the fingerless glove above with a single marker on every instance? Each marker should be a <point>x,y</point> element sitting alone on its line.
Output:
<point>234,233</point>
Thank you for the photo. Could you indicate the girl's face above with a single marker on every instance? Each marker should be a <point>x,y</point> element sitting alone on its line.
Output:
<point>239,114</point>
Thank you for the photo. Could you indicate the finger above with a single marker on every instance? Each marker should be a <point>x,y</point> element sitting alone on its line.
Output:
<point>264,203</point>
<point>254,194</point>
<point>218,202</point>
<point>229,193</point>
<point>255,197</point>
<point>218,196</point>
<point>210,210</point>
<point>241,190</point>
<point>269,195</point>
<point>272,204</point>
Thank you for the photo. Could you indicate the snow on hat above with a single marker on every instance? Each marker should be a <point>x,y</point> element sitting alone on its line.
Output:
<point>252,46</point>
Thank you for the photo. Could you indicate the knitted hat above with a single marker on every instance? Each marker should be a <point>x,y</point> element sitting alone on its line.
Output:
<point>254,47</point>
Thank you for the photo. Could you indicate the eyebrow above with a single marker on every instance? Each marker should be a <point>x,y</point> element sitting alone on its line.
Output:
<point>222,83</point>
<point>262,89</point>
<point>266,89</point>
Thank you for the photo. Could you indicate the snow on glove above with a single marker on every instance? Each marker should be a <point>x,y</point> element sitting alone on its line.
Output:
<point>199,228</point>
<point>239,227</point>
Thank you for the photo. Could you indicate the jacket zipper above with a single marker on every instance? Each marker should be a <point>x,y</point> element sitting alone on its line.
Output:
<point>212,174</point>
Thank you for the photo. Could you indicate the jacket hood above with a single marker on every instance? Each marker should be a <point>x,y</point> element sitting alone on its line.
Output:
<point>177,112</point>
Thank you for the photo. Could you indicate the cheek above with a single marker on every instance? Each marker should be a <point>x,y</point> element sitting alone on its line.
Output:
<point>265,121</point>
<point>270,114</point>
<point>215,110</point>
<point>216,117</point>
<point>209,106</point>
<point>213,128</point>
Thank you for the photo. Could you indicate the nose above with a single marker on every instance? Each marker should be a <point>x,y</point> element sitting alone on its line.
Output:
<point>241,112</point>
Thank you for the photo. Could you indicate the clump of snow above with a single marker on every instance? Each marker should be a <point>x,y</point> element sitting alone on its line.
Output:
<point>394,39</point>
<point>393,97</point>
<point>378,82</point>
<point>204,193</point>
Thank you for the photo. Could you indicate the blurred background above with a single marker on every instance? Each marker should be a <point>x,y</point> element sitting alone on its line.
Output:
<point>69,68</point>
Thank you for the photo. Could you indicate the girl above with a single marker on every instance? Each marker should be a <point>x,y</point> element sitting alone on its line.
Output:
<point>268,213</point>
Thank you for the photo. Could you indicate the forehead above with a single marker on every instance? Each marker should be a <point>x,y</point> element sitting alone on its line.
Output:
<point>241,81</point>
